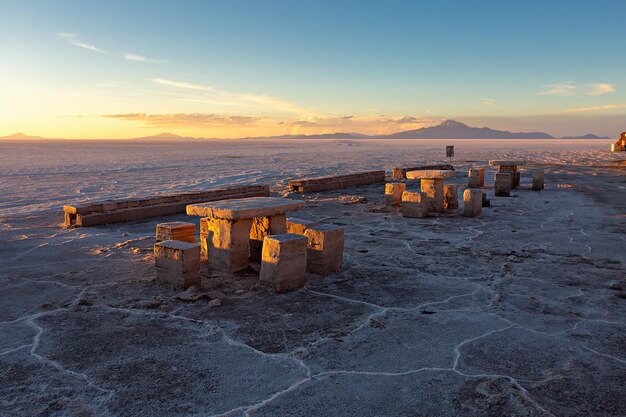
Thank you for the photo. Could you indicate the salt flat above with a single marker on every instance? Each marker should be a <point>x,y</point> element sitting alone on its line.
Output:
<point>520,312</point>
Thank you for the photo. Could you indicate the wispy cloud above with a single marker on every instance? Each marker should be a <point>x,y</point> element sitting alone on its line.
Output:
<point>489,102</point>
<point>225,98</point>
<point>183,85</point>
<point>568,89</point>
<point>73,39</point>
<point>596,108</point>
<point>185,119</point>
<point>139,58</point>
<point>600,89</point>
<point>561,89</point>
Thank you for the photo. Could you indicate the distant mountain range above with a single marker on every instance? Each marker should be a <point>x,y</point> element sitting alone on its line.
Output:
<point>587,136</point>
<point>449,129</point>
<point>21,136</point>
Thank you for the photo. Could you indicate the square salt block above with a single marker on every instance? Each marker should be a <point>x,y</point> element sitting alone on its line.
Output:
<point>284,262</point>
<point>298,226</point>
<point>393,193</point>
<point>414,204</point>
<point>325,249</point>
<point>177,263</point>
<point>472,202</point>
<point>182,231</point>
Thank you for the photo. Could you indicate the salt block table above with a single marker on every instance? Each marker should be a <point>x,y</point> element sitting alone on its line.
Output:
<point>509,166</point>
<point>231,226</point>
<point>432,185</point>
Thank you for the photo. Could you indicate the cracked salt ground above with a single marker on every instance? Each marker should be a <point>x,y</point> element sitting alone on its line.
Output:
<point>519,312</point>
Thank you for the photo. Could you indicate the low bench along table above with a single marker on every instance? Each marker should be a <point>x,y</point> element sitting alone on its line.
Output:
<point>509,167</point>
<point>232,223</point>
<point>432,185</point>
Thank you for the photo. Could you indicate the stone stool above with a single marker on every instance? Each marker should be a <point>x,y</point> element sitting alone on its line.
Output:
<point>393,193</point>
<point>177,263</point>
<point>284,262</point>
<point>502,184</point>
<point>325,249</point>
<point>298,226</point>
<point>414,204</point>
<point>182,231</point>
<point>450,197</point>
<point>538,181</point>
<point>472,202</point>
<point>476,178</point>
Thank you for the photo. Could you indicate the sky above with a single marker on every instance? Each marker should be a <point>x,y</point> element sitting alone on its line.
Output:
<point>120,69</point>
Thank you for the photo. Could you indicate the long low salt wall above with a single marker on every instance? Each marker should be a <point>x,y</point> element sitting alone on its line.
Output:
<point>309,185</point>
<point>400,173</point>
<point>117,211</point>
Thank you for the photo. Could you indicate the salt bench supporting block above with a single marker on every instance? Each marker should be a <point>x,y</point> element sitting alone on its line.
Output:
<point>393,193</point>
<point>472,202</point>
<point>502,184</point>
<point>182,231</point>
<point>325,249</point>
<point>414,204</point>
<point>309,185</point>
<point>284,262</point>
<point>538,181</point>
<point>177,263</point>
<point>450,197</point>
<point>117,211</point>
<point>298,226</point>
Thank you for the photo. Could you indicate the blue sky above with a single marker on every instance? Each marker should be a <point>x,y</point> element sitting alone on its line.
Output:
<point>238,67</point>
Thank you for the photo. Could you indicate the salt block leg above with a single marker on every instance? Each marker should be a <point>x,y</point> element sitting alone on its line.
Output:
<point>502,184</point>
<point>414,204</point>
<point>538,181</point>
<point>278,224</point>
<point>472,202</point>
<point>259,230</point>
<point>433,188</point>
<point>68,218</point>
<point>284,262</point>
<point>230,246</point>
<point>206,233</point>
<point>451,197</point>
<point>473,178</point>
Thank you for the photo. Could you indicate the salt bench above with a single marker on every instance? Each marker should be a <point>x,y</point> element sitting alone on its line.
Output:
<point>232,224</point>
<point>117,211</point>
<point>308,185</point>
<point>400,173</point>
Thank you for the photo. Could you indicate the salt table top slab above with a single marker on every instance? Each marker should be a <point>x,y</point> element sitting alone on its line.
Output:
<point>430,174</point>
<point>245,208</point>
<point>498,163</point>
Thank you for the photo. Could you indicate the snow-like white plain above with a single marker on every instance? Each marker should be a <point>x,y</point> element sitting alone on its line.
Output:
<point>520,312</point>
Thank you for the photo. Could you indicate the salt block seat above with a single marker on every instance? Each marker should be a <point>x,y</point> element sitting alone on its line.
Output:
<point>325,249</point>
<point>177,263</point>
<point>182,231</point>
<point>284,262</point>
